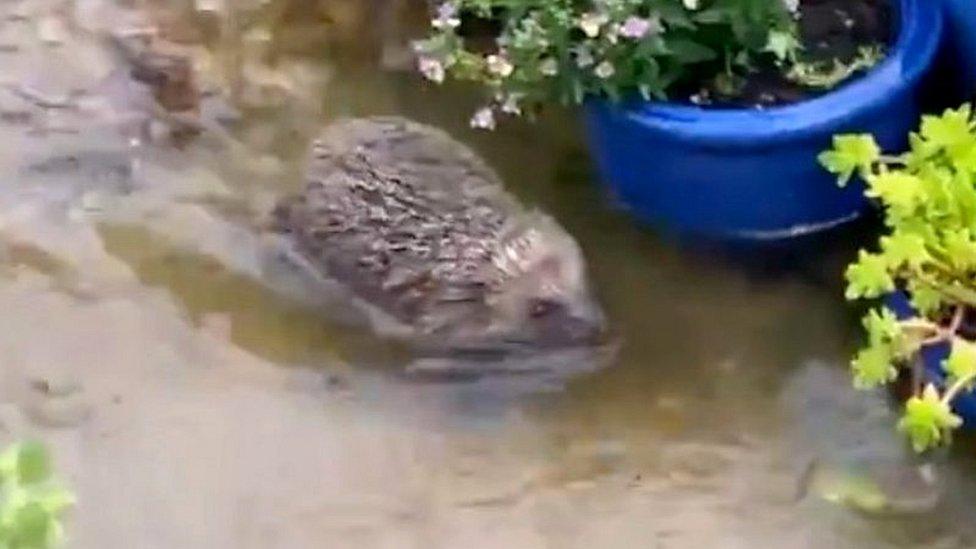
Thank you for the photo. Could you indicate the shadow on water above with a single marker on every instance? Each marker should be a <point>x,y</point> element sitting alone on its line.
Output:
<point>257,319</point>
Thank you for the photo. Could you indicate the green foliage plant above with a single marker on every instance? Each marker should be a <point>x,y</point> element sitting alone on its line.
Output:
<point>827,75</point>
<point>928,250</point>
<point>564,51</point>
<point>31,501</point>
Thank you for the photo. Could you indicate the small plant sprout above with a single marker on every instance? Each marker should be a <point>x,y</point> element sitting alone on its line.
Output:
<point>31,502</point>
<point>928,250</point>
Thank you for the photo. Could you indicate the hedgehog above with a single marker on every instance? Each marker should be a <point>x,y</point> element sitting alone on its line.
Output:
<point>422,232</point>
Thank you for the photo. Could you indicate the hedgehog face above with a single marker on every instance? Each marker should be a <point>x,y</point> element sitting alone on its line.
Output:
<point>543,295</point>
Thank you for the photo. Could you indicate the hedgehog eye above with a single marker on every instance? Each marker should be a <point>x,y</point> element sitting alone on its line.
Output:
<point>539,308</point>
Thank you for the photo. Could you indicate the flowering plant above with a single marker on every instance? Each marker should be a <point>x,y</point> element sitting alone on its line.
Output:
<point>566,50</point>
<point>929,251</point>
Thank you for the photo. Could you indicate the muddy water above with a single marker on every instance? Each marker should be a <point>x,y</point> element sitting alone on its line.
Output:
<point>191,407</point>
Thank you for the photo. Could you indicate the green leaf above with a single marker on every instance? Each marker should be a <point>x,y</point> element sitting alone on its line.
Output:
<point>873,366</point>
<point>712,16</point>
<point>901,192</point>
<point>33,464</point>
<point>868,277</point>
<point>962,194</point>
<point>925,299</point>
<point>54,500</point>
<point>689,51</point>
<point>920,152</point>
<point>951,131</point>
<point>927,420</point>
<point>904,248</point>
<point>961,363</point>
<point>963,156</point>
<point>30,502</point>
<point>783,44</point>
<point>960,248</point>
<point>850,153</point>
<point>31,527</point>
<point>882,326</point>
<point>675,17</point>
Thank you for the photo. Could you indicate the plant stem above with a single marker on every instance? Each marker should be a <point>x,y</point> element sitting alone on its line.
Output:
<point>957,386</point>
<point>965,296</point>
<point>917,375</point>
<point>889,159</point>
<point>920,324</point>
<point>957,319</point>
<point>939,334</point>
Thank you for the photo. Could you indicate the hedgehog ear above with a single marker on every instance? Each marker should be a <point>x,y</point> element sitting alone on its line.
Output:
<point>548,266</point>
<point>526,246</point>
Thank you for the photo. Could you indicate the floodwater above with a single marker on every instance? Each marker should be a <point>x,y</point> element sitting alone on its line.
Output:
<point>191,407</point>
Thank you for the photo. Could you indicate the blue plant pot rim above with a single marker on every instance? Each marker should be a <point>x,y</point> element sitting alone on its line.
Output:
<point>920,29</point>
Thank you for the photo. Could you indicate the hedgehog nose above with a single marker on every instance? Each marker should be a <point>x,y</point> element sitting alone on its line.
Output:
<point>589,329</point>
<point>592,314</point>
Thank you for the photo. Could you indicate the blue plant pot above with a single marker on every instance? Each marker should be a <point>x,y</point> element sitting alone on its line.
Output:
<point>961,26</point>
<point>965,403</point>
<point>735,174</point>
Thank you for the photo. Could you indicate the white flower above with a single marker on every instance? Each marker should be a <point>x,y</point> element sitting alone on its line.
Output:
<point>584,58</point>
<point>431,68</point>
<point>691,4</point>
<point>499,66</point>
<point>591,23</point>
<point>447,17</point>
<point>638,27</point>
<point>511,104</point>
<point>549,67</point>
<point>604,70</point>
<point>792,5</point>
<point>484,119</point>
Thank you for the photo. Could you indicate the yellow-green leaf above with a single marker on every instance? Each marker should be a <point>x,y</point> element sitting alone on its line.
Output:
<point>961,363</point>
<point>950,131</point>
<point>851,153</point>
<point>927,420</point>
<point>900,192</point>
<point>903,248</point>
<point>868,277</point>
<point>960,248</point>
<point>873,366</point>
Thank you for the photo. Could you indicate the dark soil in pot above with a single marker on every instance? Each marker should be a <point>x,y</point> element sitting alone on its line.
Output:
<point>829,30</point>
